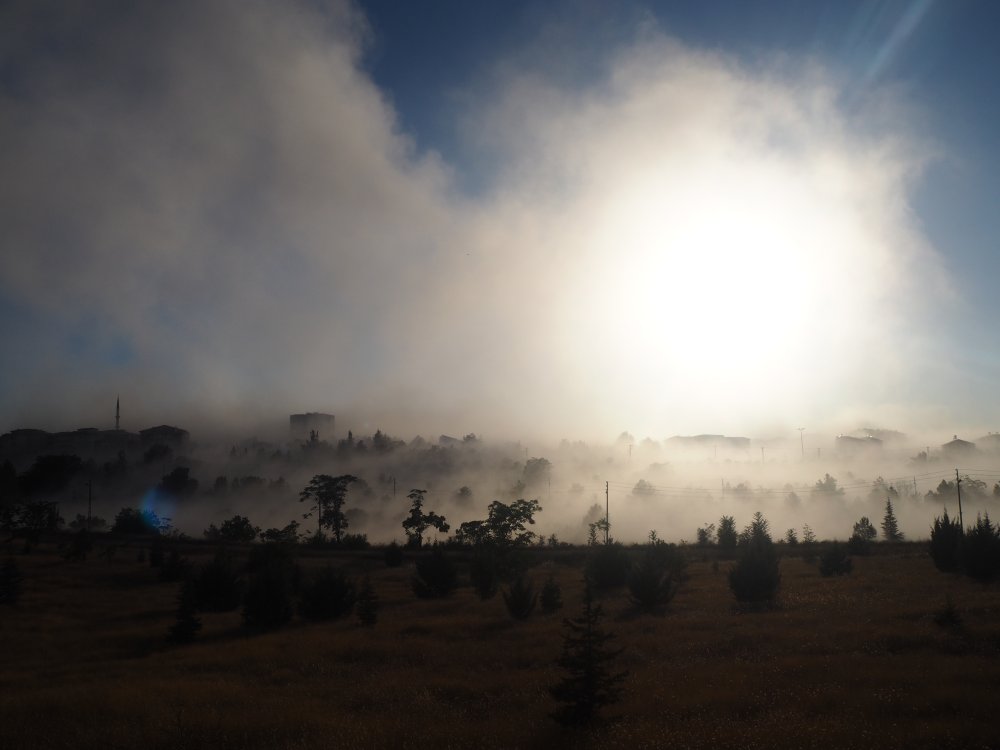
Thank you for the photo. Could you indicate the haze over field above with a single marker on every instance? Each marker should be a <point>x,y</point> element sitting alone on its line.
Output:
<point>528,223</point>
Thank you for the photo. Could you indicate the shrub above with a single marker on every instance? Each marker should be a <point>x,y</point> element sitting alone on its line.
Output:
<point>235,529</point>
<point>863,535</point>
<point>132,521</point>
<point>726,536</point>
<point>948,616</point>
<point>187,624</point>
<point>367,604</point>
<point>287,535</point>
<point>946,543</point>
<point>328,595</point>
<point>608,566</point>
<point>520,598</point>
<point>755,577</point>
<point>393,555</point>
<point>218,585</point>
<point>354,542</point>
<point>587,658</point>
<point>651,586</point>
<point>980,550</point>
<point>835,561</point>
<point>483,575</point>
<point>436,576</point>
<point>273,580</point>
<point>551,596</point>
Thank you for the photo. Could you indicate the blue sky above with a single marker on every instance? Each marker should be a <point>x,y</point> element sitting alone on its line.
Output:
<point>443,213</point>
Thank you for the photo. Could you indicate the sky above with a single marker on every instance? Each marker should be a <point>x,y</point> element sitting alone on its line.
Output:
<point>518,219</point>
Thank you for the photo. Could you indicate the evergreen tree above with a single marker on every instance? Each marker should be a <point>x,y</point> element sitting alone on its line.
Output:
<point>946,543</point>
<point>651,585</point>
<point>520,598</point>
<point>187,625</point>
<point>890,527</point>
<point>551,597</point>
<point>726,535</point>
<point>587,658</point>
<point>755,577</point>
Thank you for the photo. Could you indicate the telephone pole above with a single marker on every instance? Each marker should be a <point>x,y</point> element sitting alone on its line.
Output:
<point>802,442</point>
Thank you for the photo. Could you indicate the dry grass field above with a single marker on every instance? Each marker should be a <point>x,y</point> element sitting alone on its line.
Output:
<point>850,662</point>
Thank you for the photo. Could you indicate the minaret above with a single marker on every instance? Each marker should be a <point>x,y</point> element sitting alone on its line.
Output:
<point>118,412</point>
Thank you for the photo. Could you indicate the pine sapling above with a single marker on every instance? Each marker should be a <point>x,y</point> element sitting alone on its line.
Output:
<point>587,658</point>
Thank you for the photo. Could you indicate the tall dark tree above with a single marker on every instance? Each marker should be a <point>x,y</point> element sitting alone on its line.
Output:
<point>726,537</point>
<point>327,495</point>
<point>418,522</point>
<point>590,682</point>
<point>890,527</point>
<point>505,525</point>
<point>755,577</point>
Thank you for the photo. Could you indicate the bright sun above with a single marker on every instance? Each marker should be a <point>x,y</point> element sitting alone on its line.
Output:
<point>728,285</point>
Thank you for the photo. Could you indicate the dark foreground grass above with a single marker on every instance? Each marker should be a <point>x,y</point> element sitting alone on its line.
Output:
<point>852,662</point>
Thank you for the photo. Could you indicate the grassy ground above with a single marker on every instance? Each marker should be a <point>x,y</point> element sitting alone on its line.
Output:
<point>849,662</point>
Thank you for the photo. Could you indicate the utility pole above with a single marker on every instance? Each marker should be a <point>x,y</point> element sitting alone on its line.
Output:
<point>958,488</point>
<point>762,455</point>
<point>802,442</point>
<point>607,514</point>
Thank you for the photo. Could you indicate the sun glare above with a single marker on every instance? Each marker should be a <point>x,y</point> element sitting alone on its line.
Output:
<point>728,284</point>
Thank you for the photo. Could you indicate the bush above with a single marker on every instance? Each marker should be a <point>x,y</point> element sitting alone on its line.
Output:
<point>273,581</point>
<point>608,566</point>
<point>948,616</point>
<point>367,604</point>
<point>520,598</point>
<point>235,529</point>
<point>551,596</point>
<point>218,585</point>
<point>329,595</point>
<point>980,550</point>
<point>354,542</point>
<point>651,586</point>
<point>132,521</point>
<point>946,544</point>
<point>863,535</point>
<point>483,575</point>
<point>393,555</point>
<point>835,561</point>
<point>755,577</point>
<point>726,536</point>
<point>436,576</point>
<point>187,624</point>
